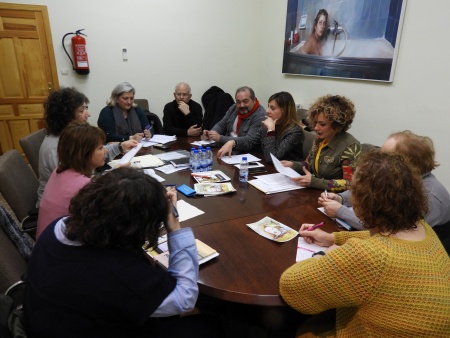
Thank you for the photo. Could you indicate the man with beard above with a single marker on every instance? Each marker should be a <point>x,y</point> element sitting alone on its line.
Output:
<point>241,121</point>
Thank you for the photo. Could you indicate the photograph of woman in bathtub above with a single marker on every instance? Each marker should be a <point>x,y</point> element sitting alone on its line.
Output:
<point>348,39</point>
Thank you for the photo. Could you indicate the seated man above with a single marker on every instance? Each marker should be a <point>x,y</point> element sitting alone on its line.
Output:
<point>241,121</point>
<point>182,116</point>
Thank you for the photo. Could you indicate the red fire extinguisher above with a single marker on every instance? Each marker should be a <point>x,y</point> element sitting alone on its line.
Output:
<point>80,64</point>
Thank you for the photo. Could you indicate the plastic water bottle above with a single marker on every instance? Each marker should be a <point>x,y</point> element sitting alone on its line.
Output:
<point>198,161</point>
<point>209,158</point>
<point>195,161</point>
<point>191,157</point>
<point>243,170</point>
<point>203,161</point>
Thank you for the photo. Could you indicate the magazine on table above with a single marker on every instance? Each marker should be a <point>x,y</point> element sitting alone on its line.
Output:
<point>273,230</point>
<point>212,189</point>
<point>213,176</point>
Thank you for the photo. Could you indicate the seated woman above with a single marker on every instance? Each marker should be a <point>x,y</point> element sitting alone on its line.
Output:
<point>313,44</point>
<point>280,134</point>
<point>331,160</point>
<point>80,151</point>
<point>421,153</point>
<point>373,278</point>
<point>88,276</point>
<point>122,119</point>
<point>62,107</point>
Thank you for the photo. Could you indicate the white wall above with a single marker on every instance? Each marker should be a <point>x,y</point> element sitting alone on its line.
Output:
<point>233,42</point>
<point>418,99</point>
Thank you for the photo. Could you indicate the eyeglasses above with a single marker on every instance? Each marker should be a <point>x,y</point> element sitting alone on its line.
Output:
<point>182,94</point>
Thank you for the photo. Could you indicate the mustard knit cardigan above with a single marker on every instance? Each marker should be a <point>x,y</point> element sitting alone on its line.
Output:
<point>381,286</point>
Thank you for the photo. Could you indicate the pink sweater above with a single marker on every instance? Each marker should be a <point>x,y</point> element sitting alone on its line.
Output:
<point>57,195</point>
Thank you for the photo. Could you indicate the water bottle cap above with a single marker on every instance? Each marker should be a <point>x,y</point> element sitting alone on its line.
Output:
<point>192,149</point>
<point>195,151</point>
<point>244,158</point>
<point>208,148</point>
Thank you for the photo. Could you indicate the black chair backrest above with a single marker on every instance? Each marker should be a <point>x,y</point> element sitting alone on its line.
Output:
<point>155,121</point>
<point>216,103</point>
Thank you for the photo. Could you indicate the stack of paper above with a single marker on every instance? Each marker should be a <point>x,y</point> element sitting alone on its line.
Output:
<point>158,139</point>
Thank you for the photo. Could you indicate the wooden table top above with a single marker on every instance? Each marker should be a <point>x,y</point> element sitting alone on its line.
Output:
<point>249,266</point>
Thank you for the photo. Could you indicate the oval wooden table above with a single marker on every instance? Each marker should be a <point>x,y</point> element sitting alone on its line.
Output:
<point>249,266</point>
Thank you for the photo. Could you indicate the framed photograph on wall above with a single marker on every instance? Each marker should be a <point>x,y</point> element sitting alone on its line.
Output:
<point>343,38</point>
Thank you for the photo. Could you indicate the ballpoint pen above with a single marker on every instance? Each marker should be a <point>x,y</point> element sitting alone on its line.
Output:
<point>326,194</point>
<point>315,226</point>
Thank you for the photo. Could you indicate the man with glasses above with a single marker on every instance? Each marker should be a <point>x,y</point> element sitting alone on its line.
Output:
<point>242,120</point>
<point>183,116</point>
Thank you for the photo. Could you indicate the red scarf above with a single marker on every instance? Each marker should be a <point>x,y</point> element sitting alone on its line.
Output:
<point>244,116</point>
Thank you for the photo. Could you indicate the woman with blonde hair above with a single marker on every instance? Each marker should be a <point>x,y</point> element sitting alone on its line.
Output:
<point>331,161</point>
<point>122,119</point>
<point>280,134</point>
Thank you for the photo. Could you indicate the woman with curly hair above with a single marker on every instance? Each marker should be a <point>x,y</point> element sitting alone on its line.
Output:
<point>280,134</point>
<point>62,107</point>
<point>391,280</point>
<point>88,275</point>
<point>330,163</point>
<point>420,151</point>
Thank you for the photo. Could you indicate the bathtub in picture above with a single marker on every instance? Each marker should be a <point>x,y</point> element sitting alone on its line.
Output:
<point>369,59</point>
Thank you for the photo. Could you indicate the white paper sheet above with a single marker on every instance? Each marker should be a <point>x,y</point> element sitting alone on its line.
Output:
<point>129,155</point>
<point>235,159</point>
<point>282,169</point>
<point>187,211</point>
<point>305,250</point>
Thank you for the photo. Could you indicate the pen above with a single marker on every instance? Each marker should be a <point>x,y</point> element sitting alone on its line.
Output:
<point>315,226</point>
<point>326,194</point>
<point>174,211</point>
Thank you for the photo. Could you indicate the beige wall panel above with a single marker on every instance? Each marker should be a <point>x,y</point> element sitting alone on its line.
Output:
<point>10,78</point>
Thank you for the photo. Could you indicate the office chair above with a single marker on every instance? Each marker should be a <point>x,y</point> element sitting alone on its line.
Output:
<point>143,103</point>
<point>308,142</point>
<point>31,145</point>
<point>19,187</point>
<point>154,121</point>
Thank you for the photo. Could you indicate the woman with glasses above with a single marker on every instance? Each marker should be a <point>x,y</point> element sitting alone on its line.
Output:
<point>331,161</point>
<point>122,119</point>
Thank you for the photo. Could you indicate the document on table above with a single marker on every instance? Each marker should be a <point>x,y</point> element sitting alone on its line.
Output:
<point>158,138</point>
<point>170,169</point>
<point>152,173</point>
<point>129,155</point>
<point>235,159</point>
<point>282,169</point>
<point>274,183</point>
<point>187,211</point>
<point>305,250</point>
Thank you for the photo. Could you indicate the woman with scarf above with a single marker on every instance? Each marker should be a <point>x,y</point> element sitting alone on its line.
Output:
<point>280,133</point>
<point>122,119</point>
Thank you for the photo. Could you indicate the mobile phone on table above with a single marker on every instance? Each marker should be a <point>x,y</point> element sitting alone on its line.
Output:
<point>257,170</point>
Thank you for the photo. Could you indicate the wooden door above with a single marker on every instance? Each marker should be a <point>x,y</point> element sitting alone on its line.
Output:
<point>27,71</point>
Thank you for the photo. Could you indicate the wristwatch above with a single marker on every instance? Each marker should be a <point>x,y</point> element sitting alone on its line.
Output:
<point>120,147</point>
<point>321,253</point>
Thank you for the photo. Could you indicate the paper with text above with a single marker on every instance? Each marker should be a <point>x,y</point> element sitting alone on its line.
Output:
<point>282,169</point>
